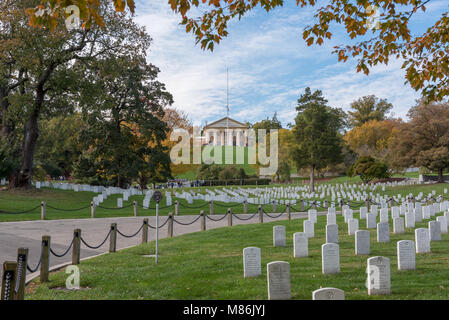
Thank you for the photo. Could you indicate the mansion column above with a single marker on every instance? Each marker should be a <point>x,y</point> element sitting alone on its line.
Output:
<point>239,138</point>
<point>222,136</point>
<point>216,137</point>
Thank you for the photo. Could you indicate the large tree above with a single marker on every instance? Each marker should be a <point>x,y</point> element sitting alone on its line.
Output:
<point>368,108</point>
<point>424,140</point>
<point>424,53</point>
<point>317,132</point>
<point>373,138</point>
<point>41,73</point>
<point>124,132</point>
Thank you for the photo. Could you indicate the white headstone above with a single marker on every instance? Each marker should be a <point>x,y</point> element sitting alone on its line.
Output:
<point>434,231</point>
<point>422,240</point>
<point>353,226</point>
<point>398,226</point>
<point>383,232</point>
<point>251,262</point>
<point>379,277</point>
<point>312,215</point>
<point>328,294</point>
<point>119,203</point>
<point>309,228</point>
<point>362,242</point>
<point>410,219</point>
<point>384,215</point>
<point>443,223</point>
<point>406,255</point>
<point>300,245</point>
<point>278,278</point>
<point>332,233</point>
<point>363,212</point>
<point>370,221</point>
<point>279,236</point>
<point>331,218</point>
<point>330,254</point>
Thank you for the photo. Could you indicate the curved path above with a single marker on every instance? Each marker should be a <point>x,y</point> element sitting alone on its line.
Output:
<point>28,234</point>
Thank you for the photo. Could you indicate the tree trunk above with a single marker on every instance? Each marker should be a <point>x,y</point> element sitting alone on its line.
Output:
<point>312,179</point>
<point>29,145</point>
<point>440,175</point>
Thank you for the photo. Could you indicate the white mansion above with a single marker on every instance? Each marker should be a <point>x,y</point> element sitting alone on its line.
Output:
<point>226,132</point>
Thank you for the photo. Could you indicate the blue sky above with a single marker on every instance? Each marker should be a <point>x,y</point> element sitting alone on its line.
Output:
<point>269,65</point>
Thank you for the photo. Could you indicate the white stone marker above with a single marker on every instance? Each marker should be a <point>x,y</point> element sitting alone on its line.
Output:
<point>434,231</point>
<point>426,212</point>
<point>330,255</point>
<point>443,223</point>
<point>353,226</point>
<point>410,219</point>
<point>251,262</point>
<point>278,278</point>
<point>370,221</point>
<point>379,277</point>
<point>418,214</point>
<point>332,233</point>
<point>300,245</point>
<point>331,218</point>
<point>312,215</point>
<point>394,212</point>
<point>363,212</point>
<point>398,226</point>
<point>348,214</point>
<point>309,228</point>
<point>279,236</point>
<point>384,215</point>
<point>328,294</point>
<point>119,203</point>
<point>362,242</point>
<point>383,232</point>
<point>374,209</point>
<point>406,255</point>
<point>422,240</point>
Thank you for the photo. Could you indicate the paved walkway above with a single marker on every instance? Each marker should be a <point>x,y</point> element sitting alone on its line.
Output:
<point>28,234</point>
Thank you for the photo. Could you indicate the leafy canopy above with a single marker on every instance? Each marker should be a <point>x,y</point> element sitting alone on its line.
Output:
<point>424,54</point>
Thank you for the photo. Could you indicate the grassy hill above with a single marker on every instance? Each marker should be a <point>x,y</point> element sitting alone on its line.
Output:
<point>211,264</point>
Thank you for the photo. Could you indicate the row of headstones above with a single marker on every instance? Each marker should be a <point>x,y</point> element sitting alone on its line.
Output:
<point>278,273</point>
<point>378,267</point>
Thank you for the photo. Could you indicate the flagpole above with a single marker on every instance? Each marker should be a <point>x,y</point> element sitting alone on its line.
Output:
<point>227,106</point>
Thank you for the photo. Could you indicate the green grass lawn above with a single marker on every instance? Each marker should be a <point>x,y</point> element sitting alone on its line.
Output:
<point>209,265</point>
<point>250,169</point>
<point>23,200</point>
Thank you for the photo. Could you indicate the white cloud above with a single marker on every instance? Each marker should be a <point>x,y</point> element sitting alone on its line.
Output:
<point>269,64</point>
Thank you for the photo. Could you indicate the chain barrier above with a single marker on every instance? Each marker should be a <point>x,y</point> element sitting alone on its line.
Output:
<point>129,205</point>
<point>228,206</point>
<point>216,220</point>
<point>19,273</point>
<point>96,247</point>
<point>274,217</point>
<point>65,252</point>
<point>245,219</point>
<point>38,263</point>
<point>187,224</point>
<point>185,206</point>
<point>8,279</point>
<point>68,210</point>
<point>161,226</point>
<point>130,236</point>
<point>154,208</point>
<point>19,212</point>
